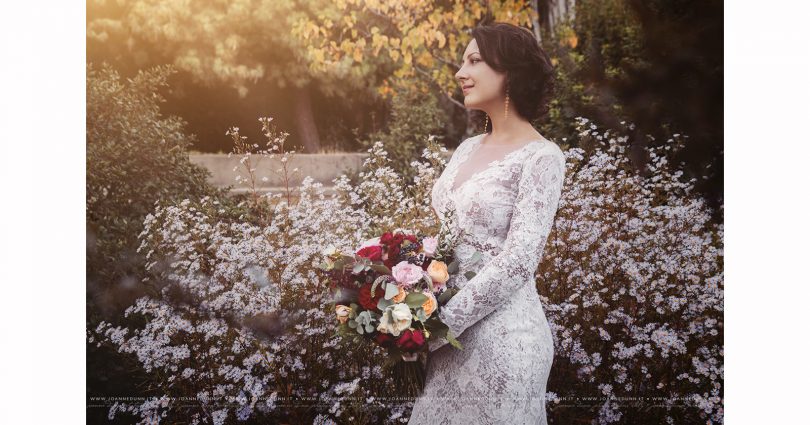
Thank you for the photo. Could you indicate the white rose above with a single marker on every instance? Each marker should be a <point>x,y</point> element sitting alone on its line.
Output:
<point>395,319</point>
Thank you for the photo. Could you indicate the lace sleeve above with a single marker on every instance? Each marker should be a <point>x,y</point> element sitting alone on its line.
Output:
<point>536,205</point>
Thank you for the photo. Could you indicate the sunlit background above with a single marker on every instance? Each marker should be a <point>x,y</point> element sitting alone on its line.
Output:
<point>338,74</point>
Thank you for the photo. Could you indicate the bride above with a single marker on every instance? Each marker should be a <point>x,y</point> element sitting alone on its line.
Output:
<point>504,186</point>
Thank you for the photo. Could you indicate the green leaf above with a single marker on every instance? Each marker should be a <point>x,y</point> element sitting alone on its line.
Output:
<point>453,341</point>
<point>358,267</point>
<point>469,275</point>
<point>381,268</point>
<point>340,264</point>
<point>391,290</point>
<point>452,267</point>
<point>475,257</point>
<point>447,294</point>
<point>415,299</point>
<point>382,304</point>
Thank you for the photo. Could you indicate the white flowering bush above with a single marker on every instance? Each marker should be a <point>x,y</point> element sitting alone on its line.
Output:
<point>632,283</point>
<point>239,325</point>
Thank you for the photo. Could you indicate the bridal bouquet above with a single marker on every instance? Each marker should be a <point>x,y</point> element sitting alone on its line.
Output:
<point>390,289</point>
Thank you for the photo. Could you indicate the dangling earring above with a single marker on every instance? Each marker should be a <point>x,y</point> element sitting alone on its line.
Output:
<point>486,123</point>
<point>506,108</point>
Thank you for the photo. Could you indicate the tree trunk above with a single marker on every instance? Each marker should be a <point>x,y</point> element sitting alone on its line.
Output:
<point>305,120</point>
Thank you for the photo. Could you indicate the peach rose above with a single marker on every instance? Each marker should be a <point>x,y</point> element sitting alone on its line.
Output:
<point>437,271</point>
<point>342,313</point>
<point>399,297</point>
<point>430,305</point>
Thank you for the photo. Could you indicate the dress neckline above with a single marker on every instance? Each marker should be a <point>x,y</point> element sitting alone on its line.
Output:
<point>475,145</point>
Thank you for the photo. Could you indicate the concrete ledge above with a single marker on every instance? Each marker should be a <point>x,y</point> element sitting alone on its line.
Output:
<point>323,168</point>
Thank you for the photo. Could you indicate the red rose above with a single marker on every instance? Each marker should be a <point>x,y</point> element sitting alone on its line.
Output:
<point>368,301</point>
<point>383,339</point>
<point>373,253</point>
<point>386,237</point>
<point>411,340</point>
<point>393,256</point>
<point>412,238</point>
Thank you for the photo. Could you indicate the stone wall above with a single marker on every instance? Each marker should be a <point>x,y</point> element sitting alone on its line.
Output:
<point>321,167</point>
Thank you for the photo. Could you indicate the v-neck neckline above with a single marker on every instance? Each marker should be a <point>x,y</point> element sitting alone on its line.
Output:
<point>492,164</point>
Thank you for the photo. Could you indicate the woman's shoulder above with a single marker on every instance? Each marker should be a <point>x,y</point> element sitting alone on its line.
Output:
<point>471,139</point>
<point>549,149</point>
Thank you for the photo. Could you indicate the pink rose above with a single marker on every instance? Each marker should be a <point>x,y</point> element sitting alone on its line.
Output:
<point>406,273</point>
<point>429,245</point>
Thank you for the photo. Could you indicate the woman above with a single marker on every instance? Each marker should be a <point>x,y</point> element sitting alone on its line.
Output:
<point>504,186</point>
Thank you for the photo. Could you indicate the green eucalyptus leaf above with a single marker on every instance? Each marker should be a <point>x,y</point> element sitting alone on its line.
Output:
<point>381,268</point>
<point>469,275</point>
<point>452,267</point>
<point>415,299</point>
<point>382,304</point>
<point>391,290</point>
<point>446,295</point>
<point>341,263</point>
<point>475,257</point>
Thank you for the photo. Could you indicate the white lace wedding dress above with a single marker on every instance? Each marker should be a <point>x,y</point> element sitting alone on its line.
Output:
<point>505,198</point>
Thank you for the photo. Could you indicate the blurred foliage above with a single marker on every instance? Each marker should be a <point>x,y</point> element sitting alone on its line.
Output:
<point>602,39</point>
<point>422,39</point>
<point>657,64</point>
<point>415,115</point>
<point>134,158</point>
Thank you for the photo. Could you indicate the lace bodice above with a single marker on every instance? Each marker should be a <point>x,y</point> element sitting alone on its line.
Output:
<point>504,200</point>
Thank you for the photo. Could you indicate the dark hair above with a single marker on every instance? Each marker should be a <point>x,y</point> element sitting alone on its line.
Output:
<point>529,74</point>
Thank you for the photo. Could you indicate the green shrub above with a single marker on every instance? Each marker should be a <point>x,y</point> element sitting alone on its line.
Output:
<point>135,157</point>
<point>415,114</point>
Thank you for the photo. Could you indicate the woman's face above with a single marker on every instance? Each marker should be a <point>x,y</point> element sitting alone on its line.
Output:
<point>484,83</point>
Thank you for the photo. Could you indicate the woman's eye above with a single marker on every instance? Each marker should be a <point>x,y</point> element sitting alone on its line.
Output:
<point>474,60</point>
